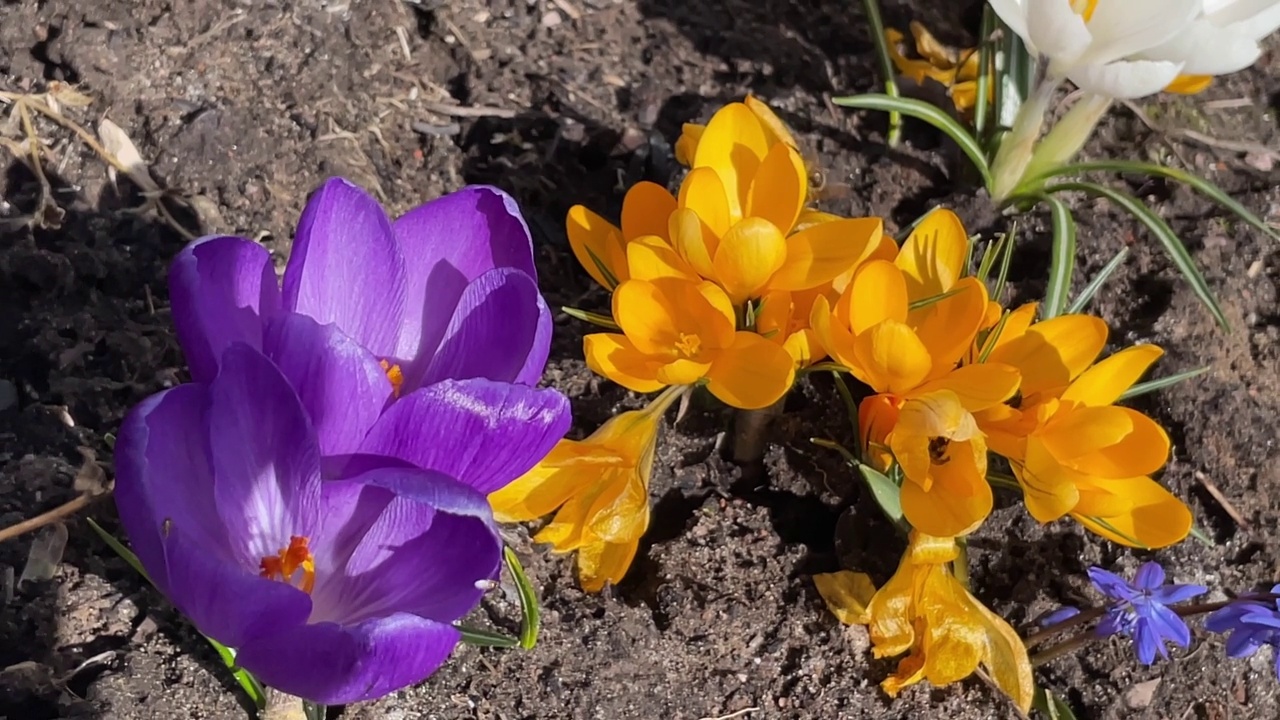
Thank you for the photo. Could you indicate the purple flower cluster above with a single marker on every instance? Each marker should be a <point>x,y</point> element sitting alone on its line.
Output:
<point>1139,609</point>
<point>316,497</point>
<point>1252,621</point>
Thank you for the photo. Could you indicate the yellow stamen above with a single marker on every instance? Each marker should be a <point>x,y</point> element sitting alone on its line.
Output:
<point>394,374</point>
<point>688,345</point>
<point>283,566</point>
<point>1189,84</point>
<point>1084,8</point>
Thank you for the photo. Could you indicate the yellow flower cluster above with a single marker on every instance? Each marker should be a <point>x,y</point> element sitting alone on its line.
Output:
<point>714,285</point>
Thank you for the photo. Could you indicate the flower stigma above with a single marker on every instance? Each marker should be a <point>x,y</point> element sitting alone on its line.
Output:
<point>688,345</point>
<point>394,374</point>
<point>290,561</point>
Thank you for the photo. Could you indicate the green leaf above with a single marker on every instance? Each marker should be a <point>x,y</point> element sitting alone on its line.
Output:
<point>992,337</point>
<point>990,251</point>
<point>1063,264</point>
<point>929,113</point>
<point>1098,281</point>
<point>982,108</point>
<point>1003,481</point>
<point>887,70</point>
<point>1161,383</point>
<point>314,711</point>
<point>926,302</point>
<point>1199,184</point>
<point>610,279</point>
<point>886,493</point>
<point>851,408</point>
<point>603,321</point>
<point>1053,707</point>
<point>1202,536</point>
<point>246,680</point>
<point>486,638</point>
<point>1158,227</point>
<point>530,614</point>
<point>1006,261</point>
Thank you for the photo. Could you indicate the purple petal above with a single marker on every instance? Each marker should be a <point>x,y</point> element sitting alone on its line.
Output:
<point>1060,615</point>
<point>345,267</point>
<point>1263,616</point>
<point>334,665</point>
<point>1150,576</point>
<point>1177,593</point>
<point>483,433</point>
<point>447,243</point>
<point>1169,625</point>
<point>220,289</point>
<point>418,542</point>
<point>1147,642</point>
<point>1244,642</point>
<point>266,461</point>
<point>497,332</point>
<point>1115,622</point>
<point>1110,584</point>
<point>341,385</point>
<point>1227,618</point>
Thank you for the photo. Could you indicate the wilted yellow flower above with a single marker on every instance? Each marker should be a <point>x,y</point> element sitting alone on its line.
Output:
<point>925,611</point>
<point>1072,450</point>
<point>922,412</point>
<point>676,331</point>
<point>955,69</point>
<point>601,487</point>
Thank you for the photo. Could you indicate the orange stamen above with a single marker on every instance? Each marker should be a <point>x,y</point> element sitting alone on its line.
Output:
<point>394,374</point>
<point>297,557</point>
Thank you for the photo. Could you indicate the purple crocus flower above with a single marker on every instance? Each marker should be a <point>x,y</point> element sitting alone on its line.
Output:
<point>402,338</point>
<point>1253,621</point>
<point>335,590</point>
<point>1139,609</point>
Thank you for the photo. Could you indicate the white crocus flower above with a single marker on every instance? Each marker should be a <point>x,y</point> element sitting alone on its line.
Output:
<point>1224,39</point>
<point>1103,46</point>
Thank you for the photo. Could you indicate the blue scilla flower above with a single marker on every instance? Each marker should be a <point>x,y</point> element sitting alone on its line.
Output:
<point>1139,609</point>
<point>1253,621</point>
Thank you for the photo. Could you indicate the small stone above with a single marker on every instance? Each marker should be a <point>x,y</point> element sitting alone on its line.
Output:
<point>551,19</point>
<point>1139,696</point>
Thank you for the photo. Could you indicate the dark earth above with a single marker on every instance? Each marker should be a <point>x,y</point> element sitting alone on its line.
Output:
<point>242,107</point>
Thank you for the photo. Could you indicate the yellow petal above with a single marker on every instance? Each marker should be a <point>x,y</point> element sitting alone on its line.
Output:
<point>1078,432</point>
<point>687,143</point>
<point>1052,353</point>
<point>683,372</point>
<point>752,373</point>
<point>649,257</point>
<point>775,131</point>
<point>1006,658</point>
<point>704,192</point>
<point>748,255</point>
<point>1047,488</point>
<point>891,357</point>
<point>542,489</point>
<point>958,500</point>
<point>878,292</point>
<point>1107,380</point>
<point>1143,450</point>
<point>716,319</point>
<point>645,210</point>
<point>826,250</point>
<point>947,327</point>
<point>933,256</point>
<point>1189,84</point>
<point>978,386</point>
<point>615,357</point>
<point>733,146</point>
<point>998,335</point>
<point>773,318</point>
<point>650,319</point>
<point>846,594</point>
<point>804,348</point>
<point>836,340</point>
<point>1155,518</point>
<point>604,562</point>
<point>694,240</point>
<point>597,245</point>
<point>622,514</point>
<point>877,416</point>
<point>779,188</point>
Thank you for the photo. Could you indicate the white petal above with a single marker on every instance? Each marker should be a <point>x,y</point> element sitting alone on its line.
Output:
<point>1207,50</point>
<point>1014,14</point>
<point>1122,28</point>
<point>1261,24</point>
<point>1057,31</point>
<point>1126,79</point>
<point>1222,13</point>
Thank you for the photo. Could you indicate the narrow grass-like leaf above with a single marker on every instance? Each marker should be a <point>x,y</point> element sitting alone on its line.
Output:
<point>990,251</point>
<point>1063,264</point>
<point>926,302</point>
<point>1053,707</point>
<point>1003,481</point>
<point>245,679</point>
<point>887,495</point>
<point>821,366</point>
<point>1197,183</point>
<point>851,408</point>
<point>314,710</point>
<point>531,615</point>
<point>929,113</point>
<point>1006,261</point>
<point>1162,383</point>
<point>1098,281</point>
<point>1201,536</point>
<point>610,279</point>
<point>887,71</point>
<point>849,457</point>
<point>989,341</point>
<point>986,69</point>
<point>603,321</point>
<point>486,638</point>
<point>1165,234</point>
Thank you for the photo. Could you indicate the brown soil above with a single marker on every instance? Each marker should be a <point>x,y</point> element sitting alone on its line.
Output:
<point>249,105</point>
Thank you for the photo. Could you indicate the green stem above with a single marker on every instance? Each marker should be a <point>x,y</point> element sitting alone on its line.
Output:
<point>1018,146</point>
<point>886,68</point>
<point>1067,137</point>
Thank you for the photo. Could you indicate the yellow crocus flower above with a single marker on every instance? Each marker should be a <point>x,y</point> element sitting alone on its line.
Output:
<point>924,610</point>
<point>1072,449</point>
<point>600,487</point>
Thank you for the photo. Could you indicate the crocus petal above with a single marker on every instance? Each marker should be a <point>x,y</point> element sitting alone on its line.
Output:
<point>878,292</point>
<point>694,240</point>
<point>446,244</point>
<point>649,316</point>
<point>604,562</point>
<point>1232,51</point>
<point>646,209</point>
<point>1047,490</point>
<point>1121,29</point>
<point>547,485</point>
<point>1054,29</point>
<point>334,665</point>
<point>1125,79</point>
<point>751,373</point>
<point>1144,449</point>
<point>703,191</point>
<point>500,331</point>
<point>822,252</point>
<point>837,341</point>
<point>1156,518</point>
<point>481,432</point>
<point>221,289</point>
<point>341,385</point>
<point>1106,381</point>
<point>1014,14</point>
<point>597,245</point>
<point>733,146</point>
<point>956,504</point>
<point>779,188</point>
<point>617,358</point>
<point>933,256</point>
<point>345,267</point>
<point>1052,353</point>
<point>748,255</point>
<point>892,358</point>
<point>948,327</point>
<point>649,257</point>
<point>978,386</point>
